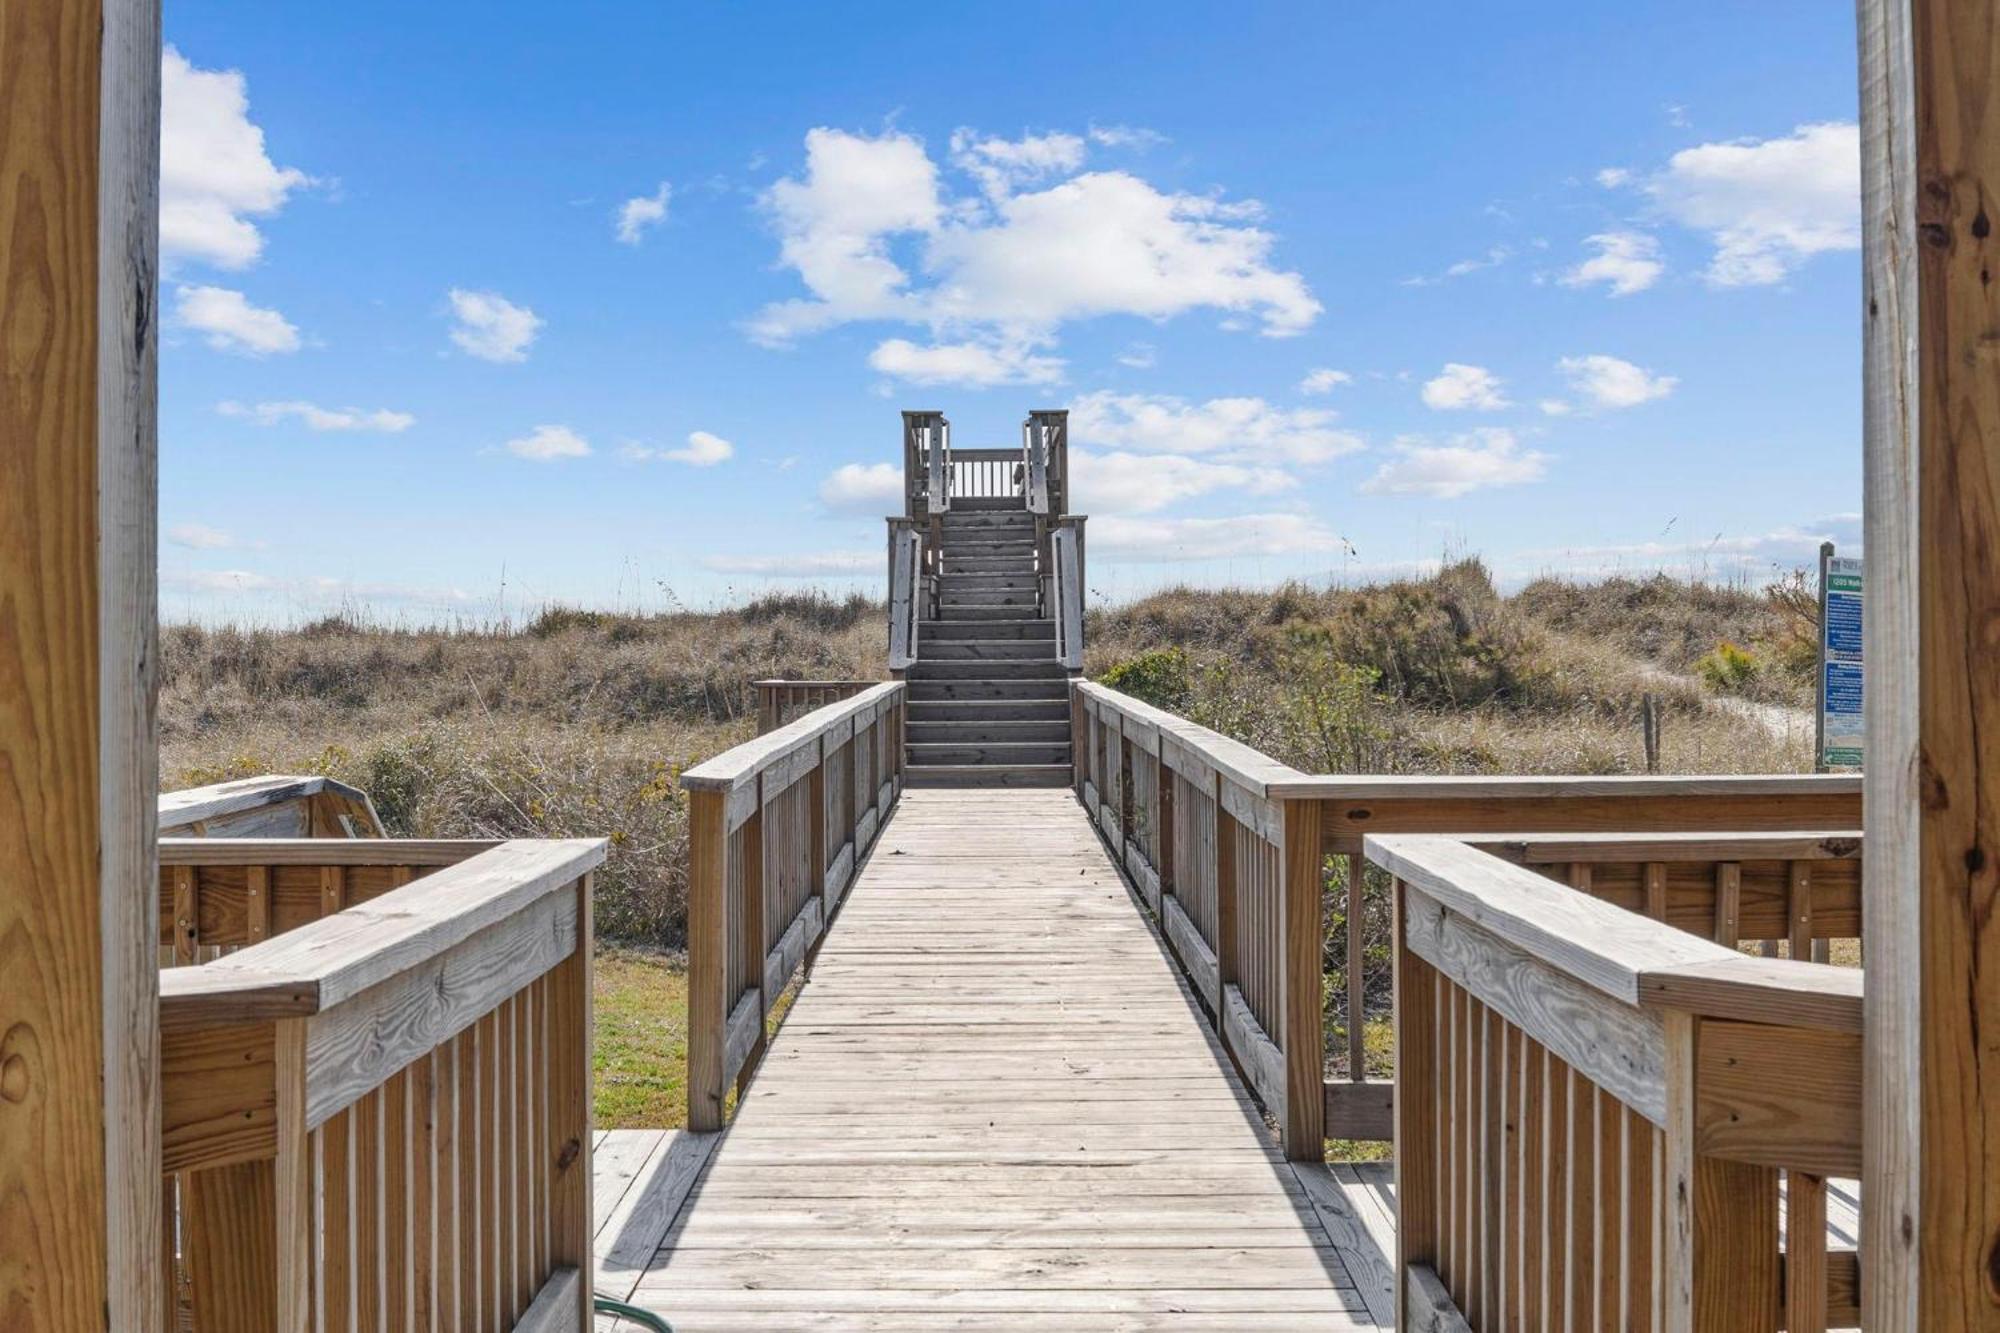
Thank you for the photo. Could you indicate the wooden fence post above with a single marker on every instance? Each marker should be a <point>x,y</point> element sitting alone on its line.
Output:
<point>1304,1027</point>
<point>569,1128</point>
<point>292,1182</point>
<point>1417,1093</point>
<point>708,942</point>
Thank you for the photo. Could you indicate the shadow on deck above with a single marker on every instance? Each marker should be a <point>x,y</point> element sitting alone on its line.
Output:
<point>996,1104</point>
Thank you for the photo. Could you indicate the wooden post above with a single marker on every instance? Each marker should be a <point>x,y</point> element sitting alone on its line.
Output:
<point>755,945</point>
<point>1304,1026</point>
<point>569,1127</point>
<point>1357,988</point>
<point>1417,1102</point>
<point>80,1175</point>
<point>292,1181</point>
<point>1931,1126</point>
<point>708,940</point>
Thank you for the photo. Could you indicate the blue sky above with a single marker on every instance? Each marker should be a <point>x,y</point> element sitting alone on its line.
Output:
<point>471,309</point>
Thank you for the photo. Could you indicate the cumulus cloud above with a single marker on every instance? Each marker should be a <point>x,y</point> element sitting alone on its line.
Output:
<point>229,323</point>
<point>1767,205</point>
<point>1625,262</point>
<point>1034,247</point>
<point>1127,136</point>
<point>801,565</point>
<point>1721,554</point>
<point>702,450</point>
<point>1163,540</point>
<point>1108,483</point>
<point>1444,470</point>
<point>1493,258</point>
<point>200,537</point>
<point>547,444</point>
<point>1236,429</point>
<point>314,417</point>
<point>1139,356</point>
<point>215,174</point>
<point>1324,381</point>
<point>975,365</point>
<point>637,216</point>
<point>1459,388</point>
<point>863,488</point>
<point>489,326</point>
<point>1608,382</point>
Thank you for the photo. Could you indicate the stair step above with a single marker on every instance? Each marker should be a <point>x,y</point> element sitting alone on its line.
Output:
<point>988,775</point>
<point>997,691</point>
<point>931,631</point>
<point>1012,504</point>
<point>1053,732</point>
<point>988,564</point>
<point>966,518</point>
<point>964,613</point>
<point>986,541</point>
<point>987,650</point>
<point>1001,753</point>
<point>961,580</point>
<point>927,669</point>
<point>989,712</point>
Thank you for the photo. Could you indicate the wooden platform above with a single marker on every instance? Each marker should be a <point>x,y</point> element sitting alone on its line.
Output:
<point>992,1106</point>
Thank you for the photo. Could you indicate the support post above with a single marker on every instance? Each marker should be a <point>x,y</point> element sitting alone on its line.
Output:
<point>708,938</point>
<point>568,1146</point>
<point>1416,1110</point>
<point>1931,1102</point>
<point>80,1172</point>
<point>1304,1035</point>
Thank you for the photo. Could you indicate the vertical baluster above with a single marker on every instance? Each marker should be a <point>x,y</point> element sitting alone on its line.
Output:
<point>1656,890</point>
<point>256,904</point>
<point>1728,902</point>
<point>1418,1028</point>
<point>1805,1253</point>
<point>1612,1257</point>
<point>1799,898</point>
<point>186,913</point>
<point>1641,1208</point>
<point>1556,1256</point>
<point>1357,992</point>
<point>1581,1247</point>
<point>1533,1127</point>
<point>446,1238</point>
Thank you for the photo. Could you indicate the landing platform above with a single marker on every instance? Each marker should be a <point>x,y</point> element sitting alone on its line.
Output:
<point>993,1105</point>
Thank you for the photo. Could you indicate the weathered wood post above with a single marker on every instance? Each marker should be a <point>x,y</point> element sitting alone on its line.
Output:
<point>1304,1026</point>
<point>80,1166</point>
<point>708,938</point>
<point>1930,179</point>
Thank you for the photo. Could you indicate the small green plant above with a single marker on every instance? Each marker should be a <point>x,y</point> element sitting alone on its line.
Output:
<point>557,619</point>
<point>1159,676</point>
<point>1331,713</point>
<point>1728,669</point>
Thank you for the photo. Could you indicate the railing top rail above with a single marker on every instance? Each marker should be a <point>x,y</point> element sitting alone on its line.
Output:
<point>1558,848</point>
<point>740,765</point>
<point>1263,775</point>
<point>321,851</point>
<point>229,798</point>
<point>775,684</point>
<point>1626,956</point>
<point>1380,787</point>
<point>1003,455</point>
<point>325,962</point>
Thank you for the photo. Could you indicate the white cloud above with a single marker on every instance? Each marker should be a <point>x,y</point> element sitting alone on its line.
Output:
<point>1606,381</point>
<point>1012,264</point>
<point>314,417</point>
<point>863,488</point>
<point>702,450</point>
<point>1613,177</point>
<point>215,174</point>
<point>1127,136</point>
<point>229,323</point>
<point>1324,380</point>
<point>1002,165</point>
<point>546,444</point>
<point>1767,204</point>
<point>635,216</point>
<point>1477,460</point>
<point>1461,387</point>
<point>1139,356</point>
<point>977,365</point>
<point>218,580</point>
<point>1719,555</point>
<point>803,565</point>
<point>1626,262</point>
<point>1142,483</point>
<point>1236,429</point>
<point>200,537</point>
<point>1493,258</point>
<point>491,327</point>
<point>1147,540</point>
<point>1555,407</point>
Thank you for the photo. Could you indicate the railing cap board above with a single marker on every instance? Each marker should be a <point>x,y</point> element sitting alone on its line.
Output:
<point>229,798</point>
<point>1400,786</point>
<point>1592,940</point>
<point>321,851</point>
<point>986,455</point>
<point>808,684</point>
<point>741,764</point>
<point>1627,956</point>
<point>1246,767</point>
<point>1560,848</point>
<point>336,957</point>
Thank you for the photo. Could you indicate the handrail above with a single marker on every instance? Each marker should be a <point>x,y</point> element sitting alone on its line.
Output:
<point>782,701</point>
<point>273,805</point>
<point>1598,1088</point>
<point>390,1104</point>
<point>776,829</point>
<point>906,591</point>
<point>1063,594</point>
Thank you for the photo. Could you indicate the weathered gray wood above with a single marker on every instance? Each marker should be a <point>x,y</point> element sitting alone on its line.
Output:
<point>1263,1063</point>
<point>1195,955</point>
<point>741,1033</point>
<point>321,851</point>
<point>1430,1307</point>
<point>1365,1111</point>
<point>1360,1248</point>
<point>555,1307</point>
<point>630,1237</point>
<point>742,765</point>
<point>178,810</point>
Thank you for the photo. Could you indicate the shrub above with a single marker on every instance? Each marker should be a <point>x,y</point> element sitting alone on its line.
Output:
<point>1159,676</point>
<point>1727,669</point>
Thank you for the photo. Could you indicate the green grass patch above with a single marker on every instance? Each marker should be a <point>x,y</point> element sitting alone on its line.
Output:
<point>640,1060</point>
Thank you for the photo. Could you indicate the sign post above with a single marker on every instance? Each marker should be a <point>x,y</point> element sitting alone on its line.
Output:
<point>1840,725</point>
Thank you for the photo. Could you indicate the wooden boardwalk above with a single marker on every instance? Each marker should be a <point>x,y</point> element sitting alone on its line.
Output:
<point>992,1106</point>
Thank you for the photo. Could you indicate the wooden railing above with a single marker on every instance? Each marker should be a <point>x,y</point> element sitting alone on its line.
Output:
<point>1063,588</point>
<point>783,701</point>
<point>987,474</point>
<point>379,1115</point>
<point>1045,445</point>
<point>1114,736</point>
<point>913,581</point>
<point>1599,1118</point>
<point>776,828</point>
<point>273,806</point>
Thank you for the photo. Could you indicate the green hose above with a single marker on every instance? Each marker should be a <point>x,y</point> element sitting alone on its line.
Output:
<point>644,1318</point>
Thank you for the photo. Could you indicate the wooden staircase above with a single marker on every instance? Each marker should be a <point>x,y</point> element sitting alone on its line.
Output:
<point>989,701</point>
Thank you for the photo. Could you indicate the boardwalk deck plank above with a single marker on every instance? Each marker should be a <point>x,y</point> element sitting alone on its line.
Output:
<point>994,1105</point>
